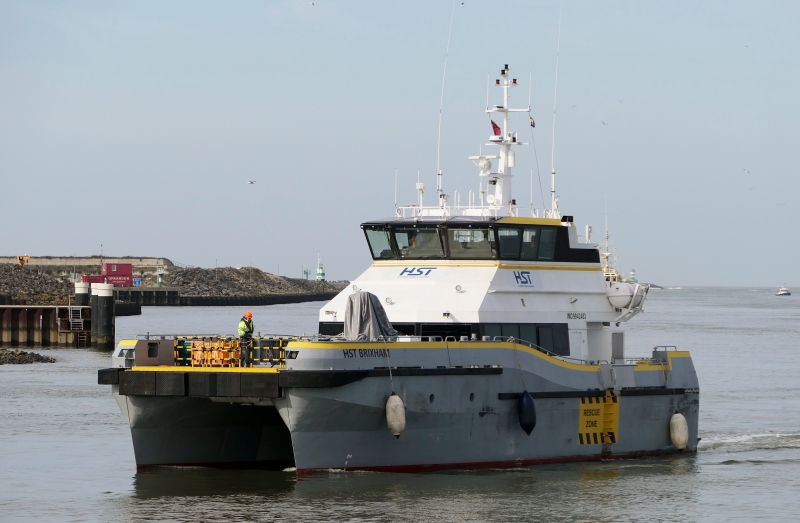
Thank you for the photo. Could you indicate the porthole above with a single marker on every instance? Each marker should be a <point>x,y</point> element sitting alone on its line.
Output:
<point>431,398</point>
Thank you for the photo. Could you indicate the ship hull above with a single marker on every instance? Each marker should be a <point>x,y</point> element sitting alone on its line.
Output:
<point>334,429</point>
<point>464,417</point>
<point>331,433</point>
<point>187,431</point>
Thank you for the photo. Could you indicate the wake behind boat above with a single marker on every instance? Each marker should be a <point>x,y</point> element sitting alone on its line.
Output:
<point>477,338</point>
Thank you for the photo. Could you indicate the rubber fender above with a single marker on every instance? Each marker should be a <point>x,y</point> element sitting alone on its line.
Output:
<point>678,431</point>
<point>395,415</point>
<point>527,413</point>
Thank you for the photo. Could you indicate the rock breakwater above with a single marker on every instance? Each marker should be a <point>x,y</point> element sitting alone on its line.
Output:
<point>245,281</point>
<point>45,286</point>
<point>35,288</point>
<point>20,357</point>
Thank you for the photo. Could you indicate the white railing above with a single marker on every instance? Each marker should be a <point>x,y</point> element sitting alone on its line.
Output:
<point>470,210</point>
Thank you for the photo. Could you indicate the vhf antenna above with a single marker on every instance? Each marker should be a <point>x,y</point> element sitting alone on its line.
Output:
<point>441,103</point>
<point>553,198</point>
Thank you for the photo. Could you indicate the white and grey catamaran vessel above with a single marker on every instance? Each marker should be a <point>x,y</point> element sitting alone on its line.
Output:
<point>477,338</point>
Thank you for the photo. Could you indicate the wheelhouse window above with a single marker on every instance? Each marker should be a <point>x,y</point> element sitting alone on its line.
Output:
<point>547,244</point>
<point>380,244</point>
<point>530,244</point>
<point>527,243</point>
<point>509,239</point>
<point>461,240</point>
<point>418,243</point>
<point>471,243</point>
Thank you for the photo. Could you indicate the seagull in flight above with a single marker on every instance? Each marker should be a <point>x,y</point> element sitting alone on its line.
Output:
<point>602,122</point>
<point>745,170</point>
<point>251,182</point>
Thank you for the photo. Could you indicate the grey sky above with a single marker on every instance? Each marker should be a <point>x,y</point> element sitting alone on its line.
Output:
<point>138,125</point>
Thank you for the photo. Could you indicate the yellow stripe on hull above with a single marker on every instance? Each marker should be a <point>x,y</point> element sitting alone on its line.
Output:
<point>166,368</point>
<point>649,365</point>
<point>444,346</point>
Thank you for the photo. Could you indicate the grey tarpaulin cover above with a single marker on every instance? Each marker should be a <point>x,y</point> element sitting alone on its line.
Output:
<point>365,319</point>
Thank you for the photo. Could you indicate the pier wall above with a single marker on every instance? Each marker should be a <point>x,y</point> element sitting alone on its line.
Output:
<point>122,308</point>
<point>8,300</point>
<point>171,297</point>
<point>165,296</point>
<point>44,325</point>
<point>272,299</point>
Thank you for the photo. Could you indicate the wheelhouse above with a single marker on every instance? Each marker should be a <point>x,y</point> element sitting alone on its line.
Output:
<point>532,240</point>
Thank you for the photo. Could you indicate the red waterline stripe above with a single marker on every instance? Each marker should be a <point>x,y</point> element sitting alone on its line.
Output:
<point>491,464</point>
<point>433,467</point>
<point>232,465</point>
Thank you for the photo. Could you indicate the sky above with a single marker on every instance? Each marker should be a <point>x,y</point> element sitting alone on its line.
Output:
<point>137,126</point>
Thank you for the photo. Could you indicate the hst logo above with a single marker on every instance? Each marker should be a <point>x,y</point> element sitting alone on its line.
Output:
<point>523,278</point>
<point>423,272</point>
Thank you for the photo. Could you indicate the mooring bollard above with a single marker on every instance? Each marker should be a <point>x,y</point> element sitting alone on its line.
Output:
<point>93,303</point>
<point>81,293</point>
<point>103,315</point>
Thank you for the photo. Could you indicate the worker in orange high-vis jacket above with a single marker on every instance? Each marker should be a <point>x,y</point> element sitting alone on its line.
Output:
<point>246,336</point>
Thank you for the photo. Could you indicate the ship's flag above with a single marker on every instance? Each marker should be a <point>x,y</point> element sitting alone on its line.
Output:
<point>533,124</point>
<point>496,129</point>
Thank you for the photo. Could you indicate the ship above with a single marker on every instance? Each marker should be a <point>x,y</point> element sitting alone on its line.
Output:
<point>783,291</point>
<point>481,336</point>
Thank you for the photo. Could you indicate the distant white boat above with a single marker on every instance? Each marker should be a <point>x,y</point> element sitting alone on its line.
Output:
<point>783,291</point>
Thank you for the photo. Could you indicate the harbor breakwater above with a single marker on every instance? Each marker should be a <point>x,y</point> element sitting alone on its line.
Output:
<point>47,283</point>
<point>39,308</point>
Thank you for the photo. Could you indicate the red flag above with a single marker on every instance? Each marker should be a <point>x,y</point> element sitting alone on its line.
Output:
<point>496,129</point>
<point>533,124</point>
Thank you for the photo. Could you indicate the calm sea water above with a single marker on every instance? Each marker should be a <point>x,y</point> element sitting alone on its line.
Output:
<point>66,454</point>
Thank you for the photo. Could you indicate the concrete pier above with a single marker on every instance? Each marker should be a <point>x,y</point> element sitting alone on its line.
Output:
<point>171,296</point>
<point>244,301</point>
<point>166,296</point>
<point>44,325</point>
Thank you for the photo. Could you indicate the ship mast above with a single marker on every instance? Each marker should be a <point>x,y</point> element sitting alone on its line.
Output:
<point>498,200</point>
<point>609,270</point>
<point>501,179</point>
